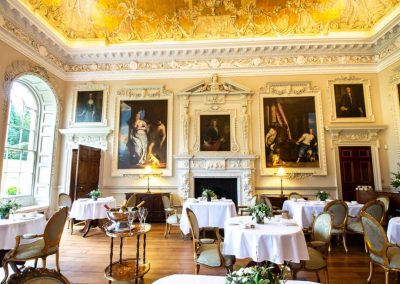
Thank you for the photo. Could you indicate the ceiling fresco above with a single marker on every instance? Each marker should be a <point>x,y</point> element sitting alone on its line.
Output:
<point>121,21</point>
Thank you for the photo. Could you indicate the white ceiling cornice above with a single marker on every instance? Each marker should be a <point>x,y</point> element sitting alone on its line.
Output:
<point>245,57</point>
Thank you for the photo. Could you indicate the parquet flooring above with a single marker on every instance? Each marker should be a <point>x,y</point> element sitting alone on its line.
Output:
<point>83,260</point>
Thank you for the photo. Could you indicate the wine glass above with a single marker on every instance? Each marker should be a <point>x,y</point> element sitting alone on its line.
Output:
<point>142,216</point>
<point>131,218</point>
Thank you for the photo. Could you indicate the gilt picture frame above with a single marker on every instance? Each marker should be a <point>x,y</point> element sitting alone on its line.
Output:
<point>350,100</point>
<point>143,131</point>
<point>89,105</point>
<point>291,129</point>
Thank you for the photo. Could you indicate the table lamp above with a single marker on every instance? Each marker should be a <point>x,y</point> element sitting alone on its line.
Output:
<point>148,172</point>
<point>281,173</point>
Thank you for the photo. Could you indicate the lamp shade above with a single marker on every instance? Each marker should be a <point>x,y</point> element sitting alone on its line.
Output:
<point>281,172</point>
<point>148,170</point>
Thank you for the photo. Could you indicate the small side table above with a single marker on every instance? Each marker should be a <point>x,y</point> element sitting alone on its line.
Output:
<point>128,270</point>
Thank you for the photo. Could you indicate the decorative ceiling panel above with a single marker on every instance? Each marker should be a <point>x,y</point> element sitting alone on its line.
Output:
<point>121,21</point>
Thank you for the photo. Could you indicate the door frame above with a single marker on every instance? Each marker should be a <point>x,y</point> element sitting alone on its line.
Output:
<point>356,135</point>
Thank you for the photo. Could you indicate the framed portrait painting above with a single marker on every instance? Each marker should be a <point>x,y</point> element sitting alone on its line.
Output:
<point>292,129</point>
<point>350,100</point>
<point>143,129</point>
<point>215,132</point>
<point>90,103</point>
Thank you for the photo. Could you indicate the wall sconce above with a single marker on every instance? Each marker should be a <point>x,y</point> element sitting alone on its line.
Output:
<point>281,173</point>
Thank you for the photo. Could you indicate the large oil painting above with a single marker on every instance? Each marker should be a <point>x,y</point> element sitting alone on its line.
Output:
<point>142,131</point>
<point>291,132</point>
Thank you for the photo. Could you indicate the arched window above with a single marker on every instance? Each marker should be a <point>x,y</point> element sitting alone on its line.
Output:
<point>28,149</point>
<point>20,151</point>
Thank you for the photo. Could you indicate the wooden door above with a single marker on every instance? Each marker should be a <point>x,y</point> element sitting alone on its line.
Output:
<point>74,160</point>
<point>87,171</point>
<point>355,169</point>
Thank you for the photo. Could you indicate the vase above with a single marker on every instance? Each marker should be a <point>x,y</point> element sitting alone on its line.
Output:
<point>4,216</point>
<point>94,198</point>
<point>259,220</point>
<point>208,198</point>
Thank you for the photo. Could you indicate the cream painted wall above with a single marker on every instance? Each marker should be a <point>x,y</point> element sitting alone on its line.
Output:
<point>308,185</point>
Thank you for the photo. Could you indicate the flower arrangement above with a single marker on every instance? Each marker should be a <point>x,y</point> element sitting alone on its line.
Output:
<point>322,195</point>
<point>209,194</point>
<point>395,182</point>
<point>95,194</point>
<point>271,274</point>
<point>7,207</point>
<point>259,212</point>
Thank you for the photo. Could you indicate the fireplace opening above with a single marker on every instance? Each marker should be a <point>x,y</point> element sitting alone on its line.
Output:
<point>223,187</point>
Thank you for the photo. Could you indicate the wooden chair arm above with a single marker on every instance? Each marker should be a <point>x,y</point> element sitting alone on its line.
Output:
<point>31,236</point>
<point>25,237</point>
<point>243,206</point>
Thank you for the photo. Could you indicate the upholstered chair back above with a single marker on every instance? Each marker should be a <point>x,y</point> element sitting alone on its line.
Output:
<point>340,212</point>
<point>374,235</point>
<point>64,200</point>
<point>54,228</point>
<point>267,202</point>
<point>322,227</point>
<point>194,225</point>
<point>375,208</point>
<point>385,201</point>
<point>131,201</point>
<point>295,195</point>
<point>166,202</point>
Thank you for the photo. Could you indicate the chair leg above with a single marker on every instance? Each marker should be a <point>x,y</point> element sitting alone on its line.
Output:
<point>294,274</point>
<point>5,267</point>
<point>329,247</point>
<point>166,230</point>
<point>371,270</point>
<point>36,261</point>
<point>318,278</point>
<point>44,262</point>
<point>68,222</point>
<point>58,261</point>
<point>197,269</point>
<point>345,243</point>
<point>72,225</point>
<point>386,276</point>
<point>326,276</point>
<point>365,247</point>
<point>169,229</point>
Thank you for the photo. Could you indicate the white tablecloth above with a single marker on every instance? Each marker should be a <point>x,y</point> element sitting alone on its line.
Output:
<point>20,224</point>
<point>209,214</point>
<point>302,211</point>
<point>273,241</point>
<point>393,230</point>
<point>88,209</point>
<point>202,279</point>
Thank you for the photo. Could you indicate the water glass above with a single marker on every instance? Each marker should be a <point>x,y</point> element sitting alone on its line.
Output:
<point>131,217</point>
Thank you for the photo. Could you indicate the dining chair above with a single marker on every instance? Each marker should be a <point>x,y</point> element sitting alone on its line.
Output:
<point>375,208</point>
<point>274,209</point>
<point>131,202</point>
<point>172,215</point>
<point>46,244</point>
<point>340,212</point>
<point>32,275</point>
<point>64,200</point>
<point>385,200</point>
<point>295,195</point>
<point>207,252</point>
<point>317,248</point>
<point>380,251</point>
<point>245,209</point>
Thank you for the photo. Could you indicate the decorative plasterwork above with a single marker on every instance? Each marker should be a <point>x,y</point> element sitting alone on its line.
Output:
<point>357,135</point>
<point>22,31</point>
<point>395,105</point>
<point>144,21</point>
<point>288,90</point>
<point>90,136</point>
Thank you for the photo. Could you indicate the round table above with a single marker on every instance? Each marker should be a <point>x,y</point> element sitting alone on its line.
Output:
<point>393,230</point>
<point>20,224</point>
<point>91,211</point>
<point>273,241</point>
<point>200,279</point>
<point>302,211</point>
<point>209,213</point>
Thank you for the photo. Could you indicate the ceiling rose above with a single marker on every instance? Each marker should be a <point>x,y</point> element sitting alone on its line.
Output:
<point>121,21</point>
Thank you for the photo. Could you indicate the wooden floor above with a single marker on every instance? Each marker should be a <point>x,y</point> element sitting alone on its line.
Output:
<point>83,260</point>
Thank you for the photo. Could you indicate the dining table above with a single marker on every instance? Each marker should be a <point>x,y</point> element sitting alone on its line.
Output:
<point>201,279</point>
<point>19,224</point>
<point>277,240</point>
<point>302,211</point>
<point>393,230</point>
<point>212,213</point>
<point>91,211</point>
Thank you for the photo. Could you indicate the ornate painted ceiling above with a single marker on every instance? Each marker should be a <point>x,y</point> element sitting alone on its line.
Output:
<point>120,21</point>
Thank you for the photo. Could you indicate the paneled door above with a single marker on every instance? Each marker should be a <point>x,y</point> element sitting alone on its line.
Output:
<point>355,169</point>
<point>86,172</point>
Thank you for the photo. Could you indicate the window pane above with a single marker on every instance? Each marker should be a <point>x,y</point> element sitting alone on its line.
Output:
<point>27,139</point>
<point>13,158</point>
<point>13,136</point>
<point>27,162</point>
<point>25,184</point>
<point>11,183</point>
